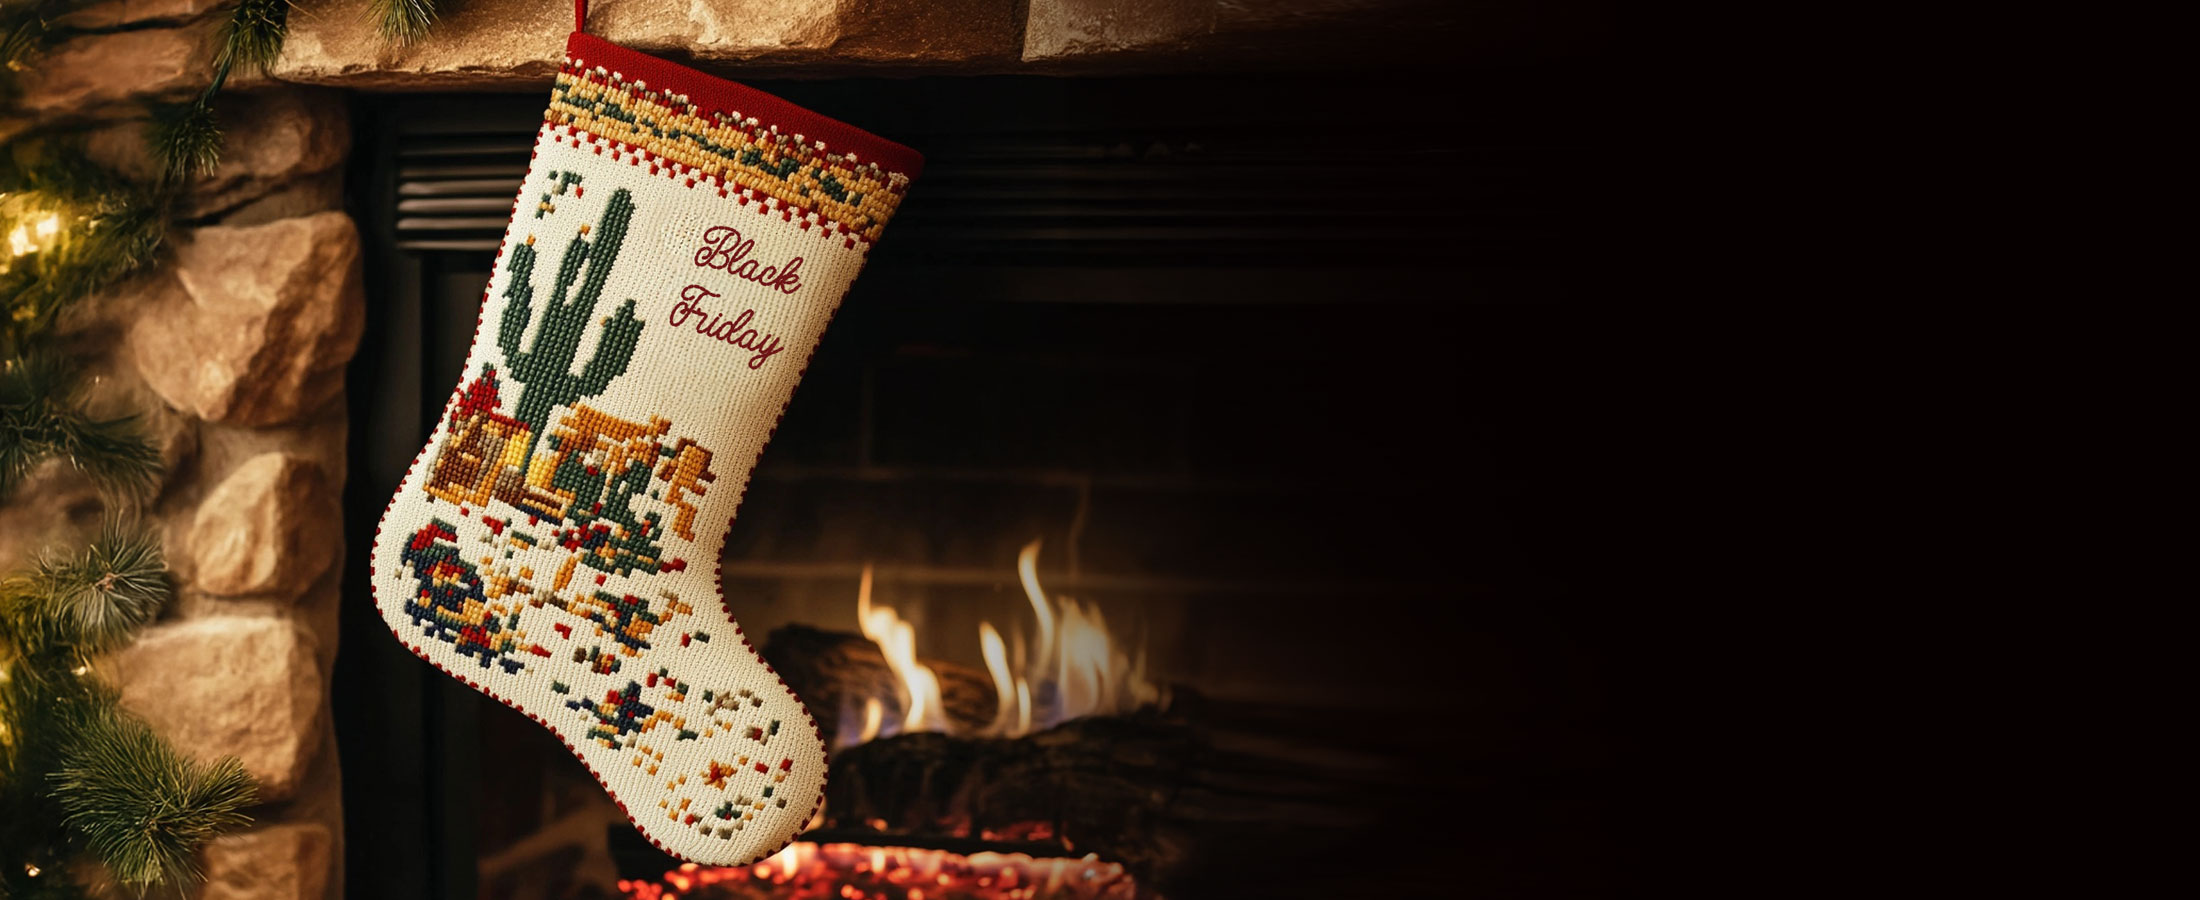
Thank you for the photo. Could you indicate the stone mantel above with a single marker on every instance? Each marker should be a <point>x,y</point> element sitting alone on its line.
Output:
<point>516,44</point>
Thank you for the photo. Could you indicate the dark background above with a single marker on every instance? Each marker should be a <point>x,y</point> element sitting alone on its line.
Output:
<point>1294,361</point>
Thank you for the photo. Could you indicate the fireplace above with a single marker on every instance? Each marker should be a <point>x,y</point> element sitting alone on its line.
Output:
<point>1147,525</point>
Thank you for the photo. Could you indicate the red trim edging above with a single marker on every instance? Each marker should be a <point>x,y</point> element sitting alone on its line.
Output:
<point>719,95</point>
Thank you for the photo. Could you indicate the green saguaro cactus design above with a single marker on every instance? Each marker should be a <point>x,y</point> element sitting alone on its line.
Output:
<point>545,370</point>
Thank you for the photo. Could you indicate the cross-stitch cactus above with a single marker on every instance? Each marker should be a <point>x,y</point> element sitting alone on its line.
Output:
<point>552,544</point>
<point>545,370</point>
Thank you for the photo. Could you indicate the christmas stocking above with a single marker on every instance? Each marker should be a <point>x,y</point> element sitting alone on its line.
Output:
<point>676,250</point>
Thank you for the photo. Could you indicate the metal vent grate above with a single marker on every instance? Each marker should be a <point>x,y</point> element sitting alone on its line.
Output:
<point>456,193</point>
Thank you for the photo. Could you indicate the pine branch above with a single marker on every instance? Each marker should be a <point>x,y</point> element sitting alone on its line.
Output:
<point>71,228</point>
<point>40,419</point>
<point>94,601</point>
<point>141,806</point>
<point>405,21</point>
<point>113,453</point>
<point>185,139</point>
<point>24,33</point>
<point>254,33</point>
<point>41,705</point>
<point>21,41</point>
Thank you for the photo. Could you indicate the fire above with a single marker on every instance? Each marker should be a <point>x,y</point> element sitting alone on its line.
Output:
<point>1074,663</point>
<point>920,687</point>
<point>807,871</point>
<point>1065,666</point>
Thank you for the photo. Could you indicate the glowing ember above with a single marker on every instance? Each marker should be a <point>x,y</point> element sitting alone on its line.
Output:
<point>806,871</point>
<point>1066,666</point>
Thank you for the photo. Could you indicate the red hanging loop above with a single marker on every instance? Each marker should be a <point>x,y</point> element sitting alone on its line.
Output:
<point>580,15</point>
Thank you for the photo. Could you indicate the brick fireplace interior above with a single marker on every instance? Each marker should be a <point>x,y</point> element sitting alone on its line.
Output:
<point>1262,364</point>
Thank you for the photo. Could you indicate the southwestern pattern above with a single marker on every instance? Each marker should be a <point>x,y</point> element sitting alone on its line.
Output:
<point>663,282</point>
<point>726,147</point>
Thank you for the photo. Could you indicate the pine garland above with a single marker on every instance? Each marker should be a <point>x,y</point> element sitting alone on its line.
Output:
<point>76,771</point>
<point>25,30</point>
<point>90,602</point>
<point>67,228</point>
<point>80,779</point>
<point>184,137</point>
<point>405,21</point>
<point>40,420</point>
<point>140,806</point>
<point>254,34</point>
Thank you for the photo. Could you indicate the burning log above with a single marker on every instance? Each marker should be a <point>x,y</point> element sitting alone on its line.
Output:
<point>1170,791</point>
<point>1163,794</point>
<point>834,671</point>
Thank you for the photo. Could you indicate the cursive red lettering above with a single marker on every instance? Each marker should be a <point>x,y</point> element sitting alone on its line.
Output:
<point>734,331</point>
<point>788,282</point>
<point>723,248</point>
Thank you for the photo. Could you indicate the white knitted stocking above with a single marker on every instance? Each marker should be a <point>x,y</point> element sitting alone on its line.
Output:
<point>676,250</point>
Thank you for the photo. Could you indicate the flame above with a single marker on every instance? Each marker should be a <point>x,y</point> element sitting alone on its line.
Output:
<point>1027,571</point>
<point>1023,707</point>
<point>874,715</point>
<point>1004,686</point>
<point>920,687</point>
<point>1074,666</point>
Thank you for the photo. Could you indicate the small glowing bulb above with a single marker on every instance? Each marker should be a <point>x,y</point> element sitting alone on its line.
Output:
<point>50,226</point>
<point>31,869</point>
<point>80,670</point>
<point>19,241</point>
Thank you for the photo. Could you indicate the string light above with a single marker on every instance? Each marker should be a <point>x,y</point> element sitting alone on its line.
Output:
<point>24,240</point>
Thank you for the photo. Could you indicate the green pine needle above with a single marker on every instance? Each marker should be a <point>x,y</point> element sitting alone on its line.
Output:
<point>21,42</point>
<point>93,602</point>
<point>185,139</point>
<point>405,21</point>
<point>39,419</point>
<point>254,33</point>
<point>113,453</point>
<point>141,806</point>
<point>42,704</point>
<point>88,227</point>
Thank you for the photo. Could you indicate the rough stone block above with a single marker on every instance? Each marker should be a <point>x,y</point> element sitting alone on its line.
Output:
<point>270,527</point>
<point>507,43</point>
<point>269,139</point>
<point>279,862</point>
<point>94,70</point>
<point>228,686</point>
<point>259,321</point>
<point>111,13</point>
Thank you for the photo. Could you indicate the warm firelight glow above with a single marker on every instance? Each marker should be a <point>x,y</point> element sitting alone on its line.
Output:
<point>920,688</point>
<point>807,871</point>
<point>1067,665</point>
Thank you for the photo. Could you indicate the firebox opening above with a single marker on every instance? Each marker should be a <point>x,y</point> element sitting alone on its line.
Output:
<point>1148,524</point>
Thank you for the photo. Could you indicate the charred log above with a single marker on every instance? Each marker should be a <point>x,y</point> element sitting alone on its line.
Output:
<point>833,671</point>
<point>1157,793</point>
<point>1164,792</point>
